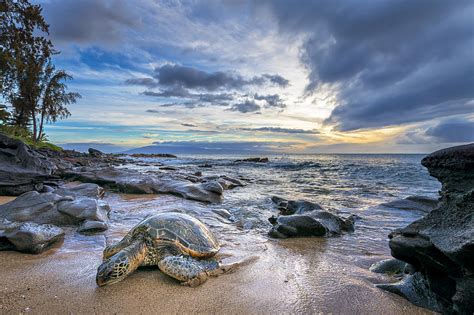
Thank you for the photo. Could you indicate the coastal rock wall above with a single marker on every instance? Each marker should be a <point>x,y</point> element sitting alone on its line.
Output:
<point>441,245</point>
<point>22,169</point>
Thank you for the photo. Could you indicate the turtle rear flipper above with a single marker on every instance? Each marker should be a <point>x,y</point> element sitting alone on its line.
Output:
<point>189,271</point>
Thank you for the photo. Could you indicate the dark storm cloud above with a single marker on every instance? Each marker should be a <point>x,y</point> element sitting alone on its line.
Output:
<point>282,130</point>
<point>394,61</point>
<point>455,130</point>
<point>245,107</point>
<point>273,100</point>
<point>192,78</point>
<point>175,91</point>
<point>90,20</point>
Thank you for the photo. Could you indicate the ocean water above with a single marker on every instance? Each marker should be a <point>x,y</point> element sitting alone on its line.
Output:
<point>297,275</point>
<point>343,183</point>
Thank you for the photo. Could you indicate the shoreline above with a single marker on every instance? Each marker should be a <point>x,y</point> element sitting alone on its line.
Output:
<point>289,276</point>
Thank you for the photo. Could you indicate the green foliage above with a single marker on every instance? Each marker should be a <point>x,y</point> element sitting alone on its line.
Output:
<point>28,79</point>
<point>26,136</point>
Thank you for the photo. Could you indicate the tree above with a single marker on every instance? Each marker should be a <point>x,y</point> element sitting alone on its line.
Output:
<point>28,79</point>
<point>55,98</point>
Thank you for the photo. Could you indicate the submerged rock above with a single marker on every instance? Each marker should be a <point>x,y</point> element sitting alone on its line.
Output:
<point>28,237</point>
<point>417,203</point>
<point>441,245</point>
<point>392,266</point>
<point>303,218</point>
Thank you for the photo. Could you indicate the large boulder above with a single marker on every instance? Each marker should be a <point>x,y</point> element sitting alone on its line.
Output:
<point>22,169</point>
<point>28,237</point>
<point>60,207</point>
<point>303,218</point>
<point>440,246</point>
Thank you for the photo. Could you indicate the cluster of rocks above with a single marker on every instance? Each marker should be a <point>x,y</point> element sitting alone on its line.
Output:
<point>303,218</point>
<point>30,223</point>
<point>206,189</point>
<point>45,202</point>
<point>440,246</point>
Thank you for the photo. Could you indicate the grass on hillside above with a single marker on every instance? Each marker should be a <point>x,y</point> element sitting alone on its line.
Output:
<point>26,137</point>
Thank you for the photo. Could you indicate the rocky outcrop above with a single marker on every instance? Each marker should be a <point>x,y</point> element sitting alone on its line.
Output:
<point>304,218</point>
<point>254,160</point>
<point>60,207</point>
<point>28,237</point>
<point>153,155</point>
<point>440,246</point>
<point>416,203</point>
<point>129,181</point>
<point>22,169</point>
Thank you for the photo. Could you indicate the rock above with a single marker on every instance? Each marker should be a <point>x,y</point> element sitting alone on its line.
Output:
<point>153,155</point>
<point>296,225</point>
<point>205,165</point>
<point>440,246</point>
<point>92,226</point>
<point>52,208</point>
<point>254,160</point>
<point>294,206</point>
<point>414,288</point>
<point>392,266</point>
<point>82,190</point>
<point>213,186</point>
<point>129,181</point>
<point>417,203</point>
<point>168,168</point>
<point>95,152</point>
<point>304,218</point>
<point>198,174</point>
<point>22,169</point>
<point>28,237</point>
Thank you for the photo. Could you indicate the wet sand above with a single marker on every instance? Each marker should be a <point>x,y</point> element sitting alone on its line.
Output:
<point>289,276</point>
<point>5,199</point>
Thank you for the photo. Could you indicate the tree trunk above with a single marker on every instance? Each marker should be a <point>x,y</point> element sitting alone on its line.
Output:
<point>34,125</point>
<point>40,132</point>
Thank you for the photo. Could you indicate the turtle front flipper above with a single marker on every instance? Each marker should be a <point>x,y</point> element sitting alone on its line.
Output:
<point>189,271</point>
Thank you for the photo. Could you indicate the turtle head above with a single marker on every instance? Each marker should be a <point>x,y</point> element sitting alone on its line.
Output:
<point>114,269</point>
<point>118,266</point>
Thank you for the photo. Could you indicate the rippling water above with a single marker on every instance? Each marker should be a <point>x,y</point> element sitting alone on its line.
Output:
<point>346,184</point>
<point>300,275</point>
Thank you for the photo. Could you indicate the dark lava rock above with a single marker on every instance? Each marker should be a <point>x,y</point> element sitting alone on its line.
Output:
<point>440,246</point>
<point>304,218</point>
<point>95,152</point>
<point>417,203</point>
<point>288,207</point>
<point>61,207</point>
<point>254,160</point>
<point>153,155</point>
<point>392,266</point>
<point>129,181</point>
<point>22,169</point>
<point>28,237</point>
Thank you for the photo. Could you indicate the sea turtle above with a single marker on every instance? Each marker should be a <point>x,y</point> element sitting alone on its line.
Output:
<point>180,245</point>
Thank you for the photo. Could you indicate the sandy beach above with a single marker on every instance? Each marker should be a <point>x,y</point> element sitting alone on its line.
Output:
<point>292,276</point>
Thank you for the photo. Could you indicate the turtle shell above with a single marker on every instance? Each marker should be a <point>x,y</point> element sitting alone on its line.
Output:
<point>187,232</point>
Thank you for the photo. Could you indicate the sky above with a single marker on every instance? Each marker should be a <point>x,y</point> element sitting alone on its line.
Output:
<point>350,76</point>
